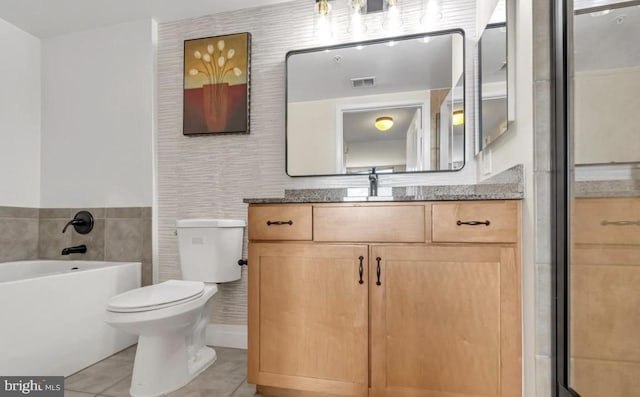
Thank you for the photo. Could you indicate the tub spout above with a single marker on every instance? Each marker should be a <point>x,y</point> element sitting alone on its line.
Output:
<point>78,249</point>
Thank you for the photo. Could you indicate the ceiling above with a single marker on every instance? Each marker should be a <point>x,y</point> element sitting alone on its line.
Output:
<point>408,65</point>
<point>607,40</point>
<point>48,18</point>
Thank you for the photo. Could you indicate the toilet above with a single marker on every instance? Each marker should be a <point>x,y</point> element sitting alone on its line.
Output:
<point>171,317</point>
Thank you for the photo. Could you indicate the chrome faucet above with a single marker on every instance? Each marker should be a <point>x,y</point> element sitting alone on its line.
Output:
<point>373,183</point>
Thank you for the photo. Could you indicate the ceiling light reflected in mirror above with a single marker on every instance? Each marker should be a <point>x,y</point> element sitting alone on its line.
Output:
<point>384,123</point>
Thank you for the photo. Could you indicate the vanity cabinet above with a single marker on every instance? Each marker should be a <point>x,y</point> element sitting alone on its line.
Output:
<point>385,299</point>
<point>605,296</point>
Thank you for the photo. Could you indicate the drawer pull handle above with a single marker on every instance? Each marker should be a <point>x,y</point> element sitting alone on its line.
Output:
<point>361,269</point>
<point>620,223</point>
<point>473,223</point>
<point>269,223</point>
<point>378,271</point>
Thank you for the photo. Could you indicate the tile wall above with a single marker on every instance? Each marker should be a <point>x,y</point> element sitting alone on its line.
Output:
<point>119,234</point>
<point>542,190</point>
<point>18,233</point>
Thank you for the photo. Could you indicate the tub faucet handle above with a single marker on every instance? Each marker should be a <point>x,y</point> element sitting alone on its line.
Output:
<point>82,222</point>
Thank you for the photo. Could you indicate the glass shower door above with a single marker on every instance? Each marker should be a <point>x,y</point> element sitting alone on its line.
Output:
<point>604,199</point>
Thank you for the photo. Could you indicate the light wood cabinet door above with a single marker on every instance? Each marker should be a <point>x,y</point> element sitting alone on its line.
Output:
<point>605,318</point>
<point>445,321</point>
<point>308,322</point>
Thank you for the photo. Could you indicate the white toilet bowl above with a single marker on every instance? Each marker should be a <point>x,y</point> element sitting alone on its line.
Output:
<point>170,319</point>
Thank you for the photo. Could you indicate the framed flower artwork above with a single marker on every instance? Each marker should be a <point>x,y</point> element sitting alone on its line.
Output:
<point>217,84</point>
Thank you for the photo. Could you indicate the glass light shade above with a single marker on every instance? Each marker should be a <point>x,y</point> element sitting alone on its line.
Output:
<point>392,20</point>
<point>431,12</point>
<point>322,20</point>
<point>357,11</point>
<point>384,123</point>
<point>458,117</point>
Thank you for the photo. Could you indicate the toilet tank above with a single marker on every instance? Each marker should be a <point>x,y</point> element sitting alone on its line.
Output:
<point>210,249</point>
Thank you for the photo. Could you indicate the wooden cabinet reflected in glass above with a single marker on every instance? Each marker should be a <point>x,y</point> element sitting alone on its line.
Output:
<point>604,273</point>
<point>605,297</point>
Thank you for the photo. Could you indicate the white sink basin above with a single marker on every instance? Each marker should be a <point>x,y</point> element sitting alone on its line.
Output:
<point>362,194</point>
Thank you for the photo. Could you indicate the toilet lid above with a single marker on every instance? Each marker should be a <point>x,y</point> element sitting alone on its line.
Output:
<point>157,296</point>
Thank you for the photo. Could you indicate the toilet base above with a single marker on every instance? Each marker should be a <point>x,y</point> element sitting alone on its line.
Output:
<point>163,364</point>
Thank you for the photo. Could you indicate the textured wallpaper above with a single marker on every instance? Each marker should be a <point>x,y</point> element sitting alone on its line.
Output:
<point>208,176</point>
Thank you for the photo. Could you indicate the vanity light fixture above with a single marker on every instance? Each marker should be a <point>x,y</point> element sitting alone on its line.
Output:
<point>431,12</point>
<point>322,24</point>
<point>392,19</point>
<point>357,10</point>
<point>384,123</point>
<point>458,117</point>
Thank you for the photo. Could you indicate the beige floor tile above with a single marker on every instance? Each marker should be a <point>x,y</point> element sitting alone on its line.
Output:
<point>70,393</point>
<point>120,389</point>
<point>219,380</point>
<point>112,377</point>
<point>100,376</point>
<point>245,390</point>
<point>128,354</point>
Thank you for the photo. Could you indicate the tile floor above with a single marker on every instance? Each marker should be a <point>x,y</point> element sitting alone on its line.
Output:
<point>111,377</point>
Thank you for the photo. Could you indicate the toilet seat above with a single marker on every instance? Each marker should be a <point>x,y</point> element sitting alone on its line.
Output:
<point>158,296</point>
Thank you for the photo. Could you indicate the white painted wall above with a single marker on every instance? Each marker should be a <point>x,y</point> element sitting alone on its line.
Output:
<point>607,116</point>
<point>312,149</point>
<point>513,148</point>
<point>484,10</point>
<point>97,117</point>
<point>19,117</point>
<point>385,153</point>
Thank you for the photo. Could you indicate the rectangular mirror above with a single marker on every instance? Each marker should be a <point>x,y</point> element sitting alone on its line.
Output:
<point>493,64</point>
<point>606,83</point>
<point>396,105</point>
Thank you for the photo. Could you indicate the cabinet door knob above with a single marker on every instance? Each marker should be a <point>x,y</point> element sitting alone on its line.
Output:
<point>378,271</point>
<point>473,223</point>
<point>361,269</point>
<point>290,222</point>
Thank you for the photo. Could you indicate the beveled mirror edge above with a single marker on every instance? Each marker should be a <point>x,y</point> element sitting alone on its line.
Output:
<point>480,146</point>
<point>412,36</point>
<point>510,11</point>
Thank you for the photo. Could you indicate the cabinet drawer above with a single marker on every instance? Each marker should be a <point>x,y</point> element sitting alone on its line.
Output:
<point>477,222</point>
<point>280,222</point>
<point>606,220</point>
<point>390,223</point>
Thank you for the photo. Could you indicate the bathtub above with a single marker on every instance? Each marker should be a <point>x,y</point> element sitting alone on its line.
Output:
<point>52,315</point>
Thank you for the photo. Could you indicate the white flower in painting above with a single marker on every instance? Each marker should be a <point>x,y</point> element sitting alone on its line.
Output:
<point>237,72</point>
<point>197,54</point>
<point>231,53</point>
<point>206,57</point>
<point>210,48</point>
<point>221,45</point>
<point>193,72</point>
<point>221,61</point>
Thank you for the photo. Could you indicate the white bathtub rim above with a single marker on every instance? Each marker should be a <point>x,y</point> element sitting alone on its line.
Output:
<point>107,265</point>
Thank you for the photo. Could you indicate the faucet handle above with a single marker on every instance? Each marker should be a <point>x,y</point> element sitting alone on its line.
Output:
<point>82,222</point>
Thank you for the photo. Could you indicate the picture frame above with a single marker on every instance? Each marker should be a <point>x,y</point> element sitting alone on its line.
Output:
<point>217,85</point>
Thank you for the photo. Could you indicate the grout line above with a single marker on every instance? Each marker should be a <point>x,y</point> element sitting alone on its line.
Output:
<point>239,386</point>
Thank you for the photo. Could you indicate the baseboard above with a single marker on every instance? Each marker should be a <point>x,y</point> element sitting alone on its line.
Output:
<point>227,335</point>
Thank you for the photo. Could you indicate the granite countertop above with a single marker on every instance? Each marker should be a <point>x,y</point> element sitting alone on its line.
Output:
<point>607,188</point>
<point>508,185</point>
